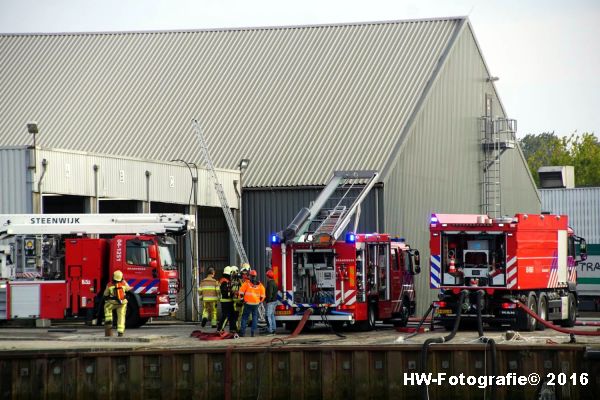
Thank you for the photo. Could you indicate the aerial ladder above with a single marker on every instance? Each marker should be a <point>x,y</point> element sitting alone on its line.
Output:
<point>237,240</point>
<point>333,210</point>
<point>233,230</point>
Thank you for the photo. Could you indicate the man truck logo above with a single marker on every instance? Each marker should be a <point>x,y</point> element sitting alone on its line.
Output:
<point>54,220</point>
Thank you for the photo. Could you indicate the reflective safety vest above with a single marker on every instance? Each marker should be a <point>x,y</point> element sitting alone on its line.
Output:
<point>226,295</point>
<point>251,293</point>
<point>209,289</point>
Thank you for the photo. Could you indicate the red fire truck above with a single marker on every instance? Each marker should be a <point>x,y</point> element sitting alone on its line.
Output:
<point>51,269</point>
<point>356,280</point>
<point>528,257</point>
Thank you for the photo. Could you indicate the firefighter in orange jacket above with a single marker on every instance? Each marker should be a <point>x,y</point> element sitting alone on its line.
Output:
<point>252,293</point>
<point>114,300</point>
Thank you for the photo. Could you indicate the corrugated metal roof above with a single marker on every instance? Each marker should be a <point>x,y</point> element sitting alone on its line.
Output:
<point>298,101</point>
<point>582,205</point>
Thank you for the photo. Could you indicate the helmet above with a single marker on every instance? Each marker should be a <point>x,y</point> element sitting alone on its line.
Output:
<point>245,266</point>
<point>233,269</point>
<point>253,272</point>
<point>117,276</point>
<point>227,270</point>
<point>270,274</point>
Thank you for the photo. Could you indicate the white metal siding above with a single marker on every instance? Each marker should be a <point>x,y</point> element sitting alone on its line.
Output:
<point>582,205</point>
<point>72,173</point>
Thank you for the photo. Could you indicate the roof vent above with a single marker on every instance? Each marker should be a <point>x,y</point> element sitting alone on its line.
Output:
<point>557,177</point>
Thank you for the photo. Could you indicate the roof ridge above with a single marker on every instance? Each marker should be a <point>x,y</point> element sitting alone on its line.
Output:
<point>233,29</point>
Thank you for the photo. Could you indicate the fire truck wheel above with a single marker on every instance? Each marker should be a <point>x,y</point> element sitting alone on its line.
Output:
<point>542,307</point>
<point>369,324</point>
<point>525,322</point>
<point>570,322</point>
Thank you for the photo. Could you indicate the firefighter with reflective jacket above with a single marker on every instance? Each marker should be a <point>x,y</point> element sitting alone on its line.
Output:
<point>252,293</point>
<point>209,294</point>
<point>114,300</point>
<point>227,313</point>
<point>236,284</point>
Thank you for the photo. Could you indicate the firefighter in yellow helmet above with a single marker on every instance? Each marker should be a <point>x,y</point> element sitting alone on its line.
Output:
<point>114,300</point>
<point>209,291</point>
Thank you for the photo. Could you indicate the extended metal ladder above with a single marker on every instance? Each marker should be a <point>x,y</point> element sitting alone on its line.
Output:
<point>237,240</point>
<point>336,205</point>
<point>497,136</point>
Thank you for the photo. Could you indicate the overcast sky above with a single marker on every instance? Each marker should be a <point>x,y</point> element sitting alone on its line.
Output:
<point>546,53</point>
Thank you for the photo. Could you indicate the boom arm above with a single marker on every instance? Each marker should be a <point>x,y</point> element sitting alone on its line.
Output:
<point>89,224</point>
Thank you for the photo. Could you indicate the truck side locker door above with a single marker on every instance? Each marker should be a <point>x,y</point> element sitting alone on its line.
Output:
<point>74,279</point>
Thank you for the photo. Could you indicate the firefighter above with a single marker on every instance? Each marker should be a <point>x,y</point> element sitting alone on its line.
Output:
<point>209,294</point>
<point>236,284</point>
<point>227,313</point>
<point>252,293</point>
<point>114,300</point>
<point>271,300</point>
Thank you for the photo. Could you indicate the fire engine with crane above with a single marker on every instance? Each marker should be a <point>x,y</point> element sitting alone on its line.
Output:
<point>353,279</point>
<point>529,258</point>
<point>55,266</point>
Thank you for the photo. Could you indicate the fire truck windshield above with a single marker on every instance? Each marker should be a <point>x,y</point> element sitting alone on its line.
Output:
<point>166,257</point>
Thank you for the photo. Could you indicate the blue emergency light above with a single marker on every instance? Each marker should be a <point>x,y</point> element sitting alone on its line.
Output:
<point>350,237</point>
<point>434,219</point>
<point>274,238</point>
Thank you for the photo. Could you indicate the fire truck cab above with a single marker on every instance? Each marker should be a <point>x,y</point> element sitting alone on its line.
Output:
<point>51,267</point>
<point>529,258</point>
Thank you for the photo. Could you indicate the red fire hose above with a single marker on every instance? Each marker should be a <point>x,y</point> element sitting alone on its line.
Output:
<point>552,326</point>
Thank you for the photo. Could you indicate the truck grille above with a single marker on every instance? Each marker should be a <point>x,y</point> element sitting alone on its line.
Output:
<point>173,286</point>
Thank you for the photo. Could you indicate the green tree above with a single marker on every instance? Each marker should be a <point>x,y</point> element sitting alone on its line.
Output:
<point>585,150</point>
<point>547,149</point>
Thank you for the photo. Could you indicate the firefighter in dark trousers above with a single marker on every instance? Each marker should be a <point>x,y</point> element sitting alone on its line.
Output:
<point>114,300</point>
<point>227,313</point>
<point>271,302</point>
<point>252,293</point>
<point>209,294</point>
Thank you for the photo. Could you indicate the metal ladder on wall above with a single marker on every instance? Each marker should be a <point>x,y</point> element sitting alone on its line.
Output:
<point>497,136</point>
<point>237,240</point>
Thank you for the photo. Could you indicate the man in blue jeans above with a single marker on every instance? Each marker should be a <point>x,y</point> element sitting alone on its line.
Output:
<point>271,301</point>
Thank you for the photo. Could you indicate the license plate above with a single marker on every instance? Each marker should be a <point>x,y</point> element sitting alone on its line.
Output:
<point>444,311</point>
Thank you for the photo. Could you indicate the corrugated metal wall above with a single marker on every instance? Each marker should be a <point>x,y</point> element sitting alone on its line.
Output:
<point>268,211</point>
<point>301,86</point>
<point>15,192</point>
<point>438,169</point>
<point>582,205</point>
<point>213,237</point>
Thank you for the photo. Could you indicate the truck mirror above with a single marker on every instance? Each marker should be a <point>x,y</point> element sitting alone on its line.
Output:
<point>153,252</point>
<point>582,248</point>
<point>417,259</point>
<point>153,263</point>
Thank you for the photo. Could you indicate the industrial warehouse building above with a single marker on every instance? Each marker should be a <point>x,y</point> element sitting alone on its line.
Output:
<point>413,100</point>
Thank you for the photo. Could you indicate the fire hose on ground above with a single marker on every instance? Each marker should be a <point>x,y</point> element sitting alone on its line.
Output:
<point>487,341</point>
<point>551,325</point>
